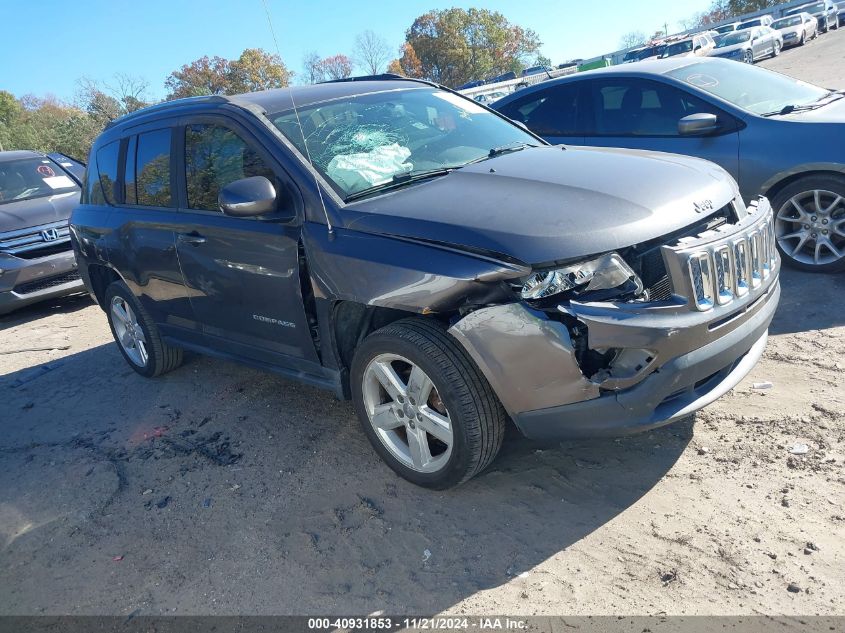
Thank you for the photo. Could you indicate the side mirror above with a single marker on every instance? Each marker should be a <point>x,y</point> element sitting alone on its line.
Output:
<point>700,123</point>
<point>248,197</point>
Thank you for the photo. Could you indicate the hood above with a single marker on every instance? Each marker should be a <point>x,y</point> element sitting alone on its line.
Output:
<point>547,204</point>
<point>23,214</point>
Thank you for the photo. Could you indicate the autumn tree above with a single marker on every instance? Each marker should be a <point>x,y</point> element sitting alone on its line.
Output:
<point>371,52</point>
<point>255,69</point>
<point>408,64</point>
<point>454,46</point>
<point>336,67</point>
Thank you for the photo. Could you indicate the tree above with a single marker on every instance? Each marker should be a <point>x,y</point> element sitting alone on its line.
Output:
<point>408,64</point>
<point>454,46</point>
<point>336,67</point>
<point>313,71</point>
<point>542,60</point>
<point>633,39</point>
<point>371,52</point>
<point>255,69</point>
<point>204,76</point>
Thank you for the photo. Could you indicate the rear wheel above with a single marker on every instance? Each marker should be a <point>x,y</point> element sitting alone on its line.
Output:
<point>749,57</point>
<point>776,49</point>
<point>137,335</point>
<point>424,405</point>
<point>810,223</point>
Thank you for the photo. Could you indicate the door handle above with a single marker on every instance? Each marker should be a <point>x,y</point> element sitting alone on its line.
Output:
<point>193,238</point>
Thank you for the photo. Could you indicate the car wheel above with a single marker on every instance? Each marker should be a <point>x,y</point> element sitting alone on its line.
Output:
<point>749,57</point>
<point>425,406</point>
<point>136,334</point>
<point>810,223</point>
<point>776,49</point>
<point>803,39</point>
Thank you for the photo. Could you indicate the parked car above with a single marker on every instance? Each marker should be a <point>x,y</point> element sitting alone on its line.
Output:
<point>825,13</point>
<point>840,8</point>
<point>646,52</point>
<point>749,45</point>
<point>503,77</point>
<point>797,29</point>
<point>72,165</point>
<point>763,20</point>
<point>697,45</point>
<point>471,84</point>
<point>536,70</point>
<point>778,137</point>
<point>727,28</point>
<point>37,196</point>
<point>435,262</point>
<point>490,97</point>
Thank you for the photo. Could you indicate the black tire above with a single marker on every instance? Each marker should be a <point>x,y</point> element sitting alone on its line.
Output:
<point>477,417</point>
<point>775,49</point>
<point>749,57</point>
<point>161,357</point>
<point>831,183</point>
<point>803,39</point>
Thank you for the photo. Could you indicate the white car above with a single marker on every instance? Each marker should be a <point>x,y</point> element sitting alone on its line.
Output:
<point>701,44</point>
<point>797,29</point>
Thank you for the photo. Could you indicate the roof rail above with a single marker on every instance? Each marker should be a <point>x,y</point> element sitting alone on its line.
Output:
<point>167,104</point>
<point>382,77</point>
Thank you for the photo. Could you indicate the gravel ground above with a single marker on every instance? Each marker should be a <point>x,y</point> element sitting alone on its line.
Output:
<point>218,489</point>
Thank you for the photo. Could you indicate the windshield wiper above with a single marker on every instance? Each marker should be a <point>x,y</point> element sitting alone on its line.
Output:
<point>831,96</point>
<point>399,180</point>
<point>504,149</point>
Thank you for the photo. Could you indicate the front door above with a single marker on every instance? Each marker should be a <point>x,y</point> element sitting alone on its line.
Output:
<point>644,114</point>
<point>242,274</point>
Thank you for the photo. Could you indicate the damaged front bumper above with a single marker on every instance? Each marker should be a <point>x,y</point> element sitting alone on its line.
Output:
<point>669,358</point>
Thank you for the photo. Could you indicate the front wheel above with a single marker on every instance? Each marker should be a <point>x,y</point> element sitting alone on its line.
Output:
<point>424,405</point>
<point>810,223</point>
<point>776,49</point>
<point>136,334</point>
<point>803,39</point>
<point>749,57</point>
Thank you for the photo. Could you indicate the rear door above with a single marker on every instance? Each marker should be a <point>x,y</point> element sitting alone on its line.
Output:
<point>644,114</point>
<point>242,274</point>
<point>552,113</point>
<point>145,221</point>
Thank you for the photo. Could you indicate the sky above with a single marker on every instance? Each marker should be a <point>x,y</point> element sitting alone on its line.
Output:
<point>48,45</point>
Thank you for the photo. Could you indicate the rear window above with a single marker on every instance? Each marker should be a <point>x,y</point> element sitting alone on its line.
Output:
<point>32,178</point>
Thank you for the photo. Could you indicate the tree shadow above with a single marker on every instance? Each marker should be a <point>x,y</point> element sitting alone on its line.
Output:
<point>299,508</point>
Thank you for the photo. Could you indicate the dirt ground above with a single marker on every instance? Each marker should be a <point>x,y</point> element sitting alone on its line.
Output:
<point>218,489</point>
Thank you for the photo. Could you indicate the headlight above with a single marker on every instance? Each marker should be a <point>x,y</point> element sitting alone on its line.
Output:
<point>599,279</point>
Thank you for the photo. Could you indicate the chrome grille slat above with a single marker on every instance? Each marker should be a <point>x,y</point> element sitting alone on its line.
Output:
<point>31,239</point>
<point>728,266</point>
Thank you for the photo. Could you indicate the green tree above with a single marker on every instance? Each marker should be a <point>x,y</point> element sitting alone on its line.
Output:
<point>257,69</point>
<point>454,46</point>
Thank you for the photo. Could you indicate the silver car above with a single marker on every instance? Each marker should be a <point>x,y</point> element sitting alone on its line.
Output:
<point>797,29</point>
<point>777,136</point>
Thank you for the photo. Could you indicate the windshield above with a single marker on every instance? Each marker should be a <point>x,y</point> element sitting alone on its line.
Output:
<point>366,140</point>
<point>737,37</point>
<point>786,22</point>
<point>32,178</point>
<point>677,48</point>
<point>749,25</point>
<point>754,89</point>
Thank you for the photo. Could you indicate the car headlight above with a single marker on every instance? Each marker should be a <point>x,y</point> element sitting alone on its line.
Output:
<point>599,279</point>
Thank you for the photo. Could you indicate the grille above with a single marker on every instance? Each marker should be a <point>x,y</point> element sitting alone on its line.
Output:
<point>725,272</point>
<point>49,282</point>
<point>36,241</point>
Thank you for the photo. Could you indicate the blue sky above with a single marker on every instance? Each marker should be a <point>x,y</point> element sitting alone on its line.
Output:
<point>47,45</point>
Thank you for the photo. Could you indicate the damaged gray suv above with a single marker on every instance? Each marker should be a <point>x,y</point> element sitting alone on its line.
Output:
<point>400,245</point>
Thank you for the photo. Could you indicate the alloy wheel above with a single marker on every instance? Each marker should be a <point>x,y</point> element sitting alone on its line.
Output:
<point>810,227</point>
<point>406,411</point>
<point>749,57</point>
<point>128,331</point>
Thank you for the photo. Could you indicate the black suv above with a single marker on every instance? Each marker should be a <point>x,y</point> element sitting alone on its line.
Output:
<point>399,244</point>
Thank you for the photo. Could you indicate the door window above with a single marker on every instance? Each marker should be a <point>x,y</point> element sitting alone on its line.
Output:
<point>214,157</point>
<point>642,108</point>
<point>152,173</point>
<point>102,190</point>
<point>550,112</point>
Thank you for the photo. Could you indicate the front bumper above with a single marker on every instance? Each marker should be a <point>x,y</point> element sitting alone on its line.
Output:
<point>674,357</point>
<point>27,281</point>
